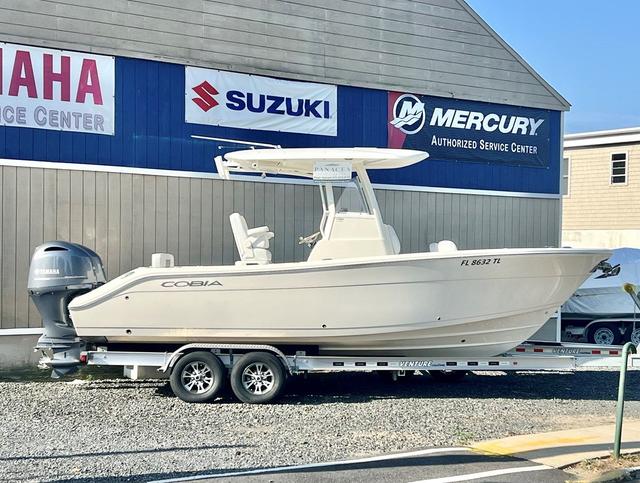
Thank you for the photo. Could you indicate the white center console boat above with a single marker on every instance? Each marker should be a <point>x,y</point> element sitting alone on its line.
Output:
<point>356,293</point>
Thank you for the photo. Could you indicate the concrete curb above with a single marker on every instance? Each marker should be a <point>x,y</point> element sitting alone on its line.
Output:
<point>614,476</point>
<point>561,449</point>
<point>609,477</point>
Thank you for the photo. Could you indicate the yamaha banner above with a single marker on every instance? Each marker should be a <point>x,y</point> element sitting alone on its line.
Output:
<point>246,101</point>
<point>45,88</point>
<point>456,129</point>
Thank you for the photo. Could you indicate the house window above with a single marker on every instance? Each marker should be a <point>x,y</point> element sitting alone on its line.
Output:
<point>564,186</point>
<point>619,168</point>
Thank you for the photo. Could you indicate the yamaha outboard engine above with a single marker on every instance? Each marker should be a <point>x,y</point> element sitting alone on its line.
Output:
<point>59,272</point>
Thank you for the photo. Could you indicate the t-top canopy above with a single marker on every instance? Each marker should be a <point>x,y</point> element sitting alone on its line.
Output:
<point>301,161</point>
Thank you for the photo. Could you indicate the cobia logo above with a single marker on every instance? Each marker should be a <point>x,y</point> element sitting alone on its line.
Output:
<point>408,114</point>
<point>190,283</point>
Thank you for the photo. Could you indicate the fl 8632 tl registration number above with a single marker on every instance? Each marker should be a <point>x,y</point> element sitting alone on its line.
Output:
<point>474,262</point>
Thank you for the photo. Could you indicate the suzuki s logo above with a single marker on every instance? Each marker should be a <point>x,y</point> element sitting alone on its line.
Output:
<point>205,91</point>
<point>408,114</point>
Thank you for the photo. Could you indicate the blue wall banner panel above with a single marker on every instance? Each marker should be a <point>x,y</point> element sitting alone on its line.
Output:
<point>461,130</point>
<point>150,132</point>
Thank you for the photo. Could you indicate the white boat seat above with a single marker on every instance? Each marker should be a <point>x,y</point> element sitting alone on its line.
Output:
<point>162,260</point>
<point>393,237</point>
<point>444,246</point>
<point>252,244</point>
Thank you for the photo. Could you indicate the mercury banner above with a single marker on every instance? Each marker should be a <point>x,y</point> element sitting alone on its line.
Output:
<point>56,89</point>
<point>456,129</point>
<point>230,99</point>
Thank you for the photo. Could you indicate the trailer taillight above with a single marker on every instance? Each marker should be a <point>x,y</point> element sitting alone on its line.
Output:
<point>83,357</point>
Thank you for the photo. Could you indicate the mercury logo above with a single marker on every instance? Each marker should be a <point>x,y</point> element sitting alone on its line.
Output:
<point>408,114</point>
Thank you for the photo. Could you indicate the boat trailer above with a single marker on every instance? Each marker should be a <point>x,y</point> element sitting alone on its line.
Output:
<point>529,356</point>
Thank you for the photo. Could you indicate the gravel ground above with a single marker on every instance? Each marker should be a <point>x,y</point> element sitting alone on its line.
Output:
<point>137,431</point>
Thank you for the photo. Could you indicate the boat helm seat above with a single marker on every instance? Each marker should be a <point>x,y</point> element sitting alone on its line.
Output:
<point>252,244</point>
<point>444,246</point>
<point>393,237</point>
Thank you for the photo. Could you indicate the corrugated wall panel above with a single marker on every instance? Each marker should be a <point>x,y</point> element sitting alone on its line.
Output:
<point>127,217</point>
<point>341,41</point>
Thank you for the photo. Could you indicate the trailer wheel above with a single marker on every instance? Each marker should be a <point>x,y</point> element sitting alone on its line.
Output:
<point>257,377</point>
<point>604,334</point>
<point>447,376</point>
<point>197,377</point>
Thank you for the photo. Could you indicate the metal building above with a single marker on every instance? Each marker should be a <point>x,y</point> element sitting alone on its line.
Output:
<point>99,103</point>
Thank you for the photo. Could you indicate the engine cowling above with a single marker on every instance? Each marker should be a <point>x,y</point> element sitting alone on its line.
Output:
<point>59,272</point>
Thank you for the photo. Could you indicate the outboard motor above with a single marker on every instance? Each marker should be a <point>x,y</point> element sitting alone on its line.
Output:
<point>59,272</point>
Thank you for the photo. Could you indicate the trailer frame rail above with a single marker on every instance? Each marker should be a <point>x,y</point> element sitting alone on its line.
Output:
<point>530,356</point>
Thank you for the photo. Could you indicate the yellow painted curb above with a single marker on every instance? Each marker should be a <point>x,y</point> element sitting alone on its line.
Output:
<point>522,444</point>
<point>579,444</point>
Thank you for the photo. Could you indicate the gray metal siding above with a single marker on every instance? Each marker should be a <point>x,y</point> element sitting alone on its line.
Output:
<point>127,217</point>
<point>437,47</point>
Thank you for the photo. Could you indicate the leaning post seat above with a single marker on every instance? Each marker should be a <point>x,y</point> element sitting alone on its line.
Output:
<point>252,244</point>
<point>443,246</point>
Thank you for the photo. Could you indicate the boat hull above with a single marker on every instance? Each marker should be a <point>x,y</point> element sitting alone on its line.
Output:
<point>480,302</point>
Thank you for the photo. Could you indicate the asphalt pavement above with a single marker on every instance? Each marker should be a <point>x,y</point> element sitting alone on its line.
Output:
<point>431,465</point>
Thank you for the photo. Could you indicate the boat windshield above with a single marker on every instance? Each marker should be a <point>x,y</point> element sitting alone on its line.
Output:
<point>351,198</point>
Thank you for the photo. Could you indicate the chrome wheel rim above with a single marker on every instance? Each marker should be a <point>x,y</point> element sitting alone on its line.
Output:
<point>258,378</point>
<point>604,336</point>
<point>635,337</point>
<point>197,377</point>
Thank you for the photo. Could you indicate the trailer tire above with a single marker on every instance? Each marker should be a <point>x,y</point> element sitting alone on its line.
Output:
<point>257,378</point>
<point>448,376</point>
<point>604,334</point>
<point>197,377</point>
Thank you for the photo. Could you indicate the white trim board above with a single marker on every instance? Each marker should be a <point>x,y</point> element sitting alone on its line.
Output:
<point>20,163</point>
<point>602,138</point>
<point>22,331</point>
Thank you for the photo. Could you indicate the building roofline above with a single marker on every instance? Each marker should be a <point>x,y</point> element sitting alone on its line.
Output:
<point>607,132</point>
<point>599,138</point>
<point>564,104</point>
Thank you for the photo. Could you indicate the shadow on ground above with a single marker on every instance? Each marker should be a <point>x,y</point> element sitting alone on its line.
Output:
<point>583,385</point>
<point>417,461</point>
<point>358,388</point>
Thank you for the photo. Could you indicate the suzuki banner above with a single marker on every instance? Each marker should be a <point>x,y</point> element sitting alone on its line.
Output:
<point>456,129</point>
<point>220,98</point>
<point>56,89</point>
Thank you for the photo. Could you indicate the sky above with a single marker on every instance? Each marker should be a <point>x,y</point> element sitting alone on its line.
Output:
<point>588,50</point>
